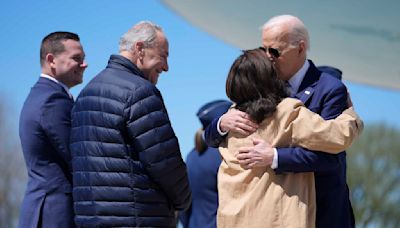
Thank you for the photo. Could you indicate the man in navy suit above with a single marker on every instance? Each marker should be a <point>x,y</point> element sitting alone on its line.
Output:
<point>286,41</point>
<point>44,131</point>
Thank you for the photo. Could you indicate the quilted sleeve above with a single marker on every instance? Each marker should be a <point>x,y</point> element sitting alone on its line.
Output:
<point>151,134</point>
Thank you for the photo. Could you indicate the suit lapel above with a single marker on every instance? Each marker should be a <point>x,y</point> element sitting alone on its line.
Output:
<point>305,94</point>
<point>310,80</point>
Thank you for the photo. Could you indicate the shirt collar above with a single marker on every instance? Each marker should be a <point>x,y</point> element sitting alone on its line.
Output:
<point>58,82</point>
<point>298,77</point>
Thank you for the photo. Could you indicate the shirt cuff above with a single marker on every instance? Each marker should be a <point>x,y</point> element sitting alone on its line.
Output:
<point>274,164</point>
<point>219,129</point>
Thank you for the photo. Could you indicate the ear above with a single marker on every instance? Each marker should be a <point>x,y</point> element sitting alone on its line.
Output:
<point>139,48</point>
<point>50,59</point>
<point>302,47</point>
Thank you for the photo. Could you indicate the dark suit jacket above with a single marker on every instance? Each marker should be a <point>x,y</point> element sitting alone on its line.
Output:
<point>44,131</point>
<point>327,96</point>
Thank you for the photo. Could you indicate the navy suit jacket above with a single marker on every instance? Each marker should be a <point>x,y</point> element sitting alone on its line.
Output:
<point>327,96</point>
<point>44,132</point>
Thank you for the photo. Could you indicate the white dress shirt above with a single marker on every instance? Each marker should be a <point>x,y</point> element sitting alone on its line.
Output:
<point>297,78</point>
<point>294,83</point>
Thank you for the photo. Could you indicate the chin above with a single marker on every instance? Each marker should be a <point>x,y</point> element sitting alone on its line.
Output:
<point>77,82</point>
<point>154,80</point>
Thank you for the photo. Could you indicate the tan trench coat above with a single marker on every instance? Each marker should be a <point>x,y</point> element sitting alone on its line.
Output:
<point>260,198</point>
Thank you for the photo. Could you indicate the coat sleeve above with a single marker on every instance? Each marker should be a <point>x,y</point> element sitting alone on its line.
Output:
<point>211,135</point>
<point>151,134</point>
<point>184,217</point>
<point>56,122</point>
<point>311,131</point>
<point>298,159</point>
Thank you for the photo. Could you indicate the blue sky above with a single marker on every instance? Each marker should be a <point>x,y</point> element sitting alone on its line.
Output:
<point>198,62</point>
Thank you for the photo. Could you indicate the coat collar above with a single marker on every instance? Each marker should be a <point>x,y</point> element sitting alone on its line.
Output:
<point>51,78</point>
<point>54,85</point>
<point>310,80</point>
<point>122,63</point>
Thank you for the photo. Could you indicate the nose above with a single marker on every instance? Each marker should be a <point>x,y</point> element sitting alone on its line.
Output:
<point>270,57</point>
<point>84,64</point>
<point>165,66</point>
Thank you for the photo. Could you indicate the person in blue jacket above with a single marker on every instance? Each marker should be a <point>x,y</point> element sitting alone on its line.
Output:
<point>44,129</point>
<point>127,167</point>
<point>286,41</point>
<point>203,164</point>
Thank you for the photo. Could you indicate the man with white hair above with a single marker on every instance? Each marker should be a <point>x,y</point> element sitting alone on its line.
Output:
<point>286,41</point>
<point>127,166</point>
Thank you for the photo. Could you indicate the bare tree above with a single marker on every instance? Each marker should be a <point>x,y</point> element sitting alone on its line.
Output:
<point>374,177</point>
<point>12,169</point>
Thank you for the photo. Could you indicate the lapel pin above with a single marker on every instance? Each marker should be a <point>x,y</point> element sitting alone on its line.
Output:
<point>307,92</point>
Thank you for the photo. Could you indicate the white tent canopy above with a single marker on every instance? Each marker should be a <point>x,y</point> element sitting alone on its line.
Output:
<point>360,38</point>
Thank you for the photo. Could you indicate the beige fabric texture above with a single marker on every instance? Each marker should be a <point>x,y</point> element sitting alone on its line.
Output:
<point>260,198</point>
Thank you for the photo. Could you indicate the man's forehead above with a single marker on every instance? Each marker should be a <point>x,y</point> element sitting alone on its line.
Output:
<point>73,47</point>
<point>163,45</point>
<point>71,42</point>
<point>274,37</point>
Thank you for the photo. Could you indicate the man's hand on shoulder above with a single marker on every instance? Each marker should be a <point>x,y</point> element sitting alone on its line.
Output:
<point>237,121</point>
<point>259,155</point>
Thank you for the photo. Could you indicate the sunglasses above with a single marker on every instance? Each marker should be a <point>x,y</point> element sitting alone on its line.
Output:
<point>272,51</point>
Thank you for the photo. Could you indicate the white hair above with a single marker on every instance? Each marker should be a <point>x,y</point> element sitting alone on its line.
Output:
<point>297,30</point>
<point>144,31</point>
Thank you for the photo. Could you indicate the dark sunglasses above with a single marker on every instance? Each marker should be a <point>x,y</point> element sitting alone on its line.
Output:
<point>272,51</point>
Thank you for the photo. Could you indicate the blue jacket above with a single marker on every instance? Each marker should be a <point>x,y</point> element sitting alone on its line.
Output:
<point>127,167</point>
<point>202,169</point>
<point>327,96</point>
<point>44,131</point>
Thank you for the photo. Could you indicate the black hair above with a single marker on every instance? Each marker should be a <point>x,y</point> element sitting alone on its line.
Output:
<point>52,43</point>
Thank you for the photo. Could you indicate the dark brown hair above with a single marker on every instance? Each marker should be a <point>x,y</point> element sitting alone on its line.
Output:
<point>52,43</point>
<point>199,143</point>
<point>253,85</point>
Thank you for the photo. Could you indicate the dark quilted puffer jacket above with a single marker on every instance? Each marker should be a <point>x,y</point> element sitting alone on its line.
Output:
<point>127,167</point>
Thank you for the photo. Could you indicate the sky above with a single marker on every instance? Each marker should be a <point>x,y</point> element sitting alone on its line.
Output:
<point>198,62</point>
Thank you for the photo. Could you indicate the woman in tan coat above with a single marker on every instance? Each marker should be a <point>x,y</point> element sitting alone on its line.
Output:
<point>258,197</point>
